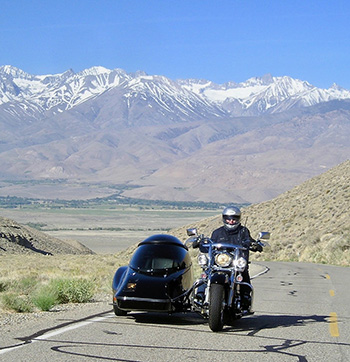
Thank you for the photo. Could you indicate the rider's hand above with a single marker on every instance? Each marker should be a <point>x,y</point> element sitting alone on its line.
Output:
<point>256,247</point>
<point>195,244</point>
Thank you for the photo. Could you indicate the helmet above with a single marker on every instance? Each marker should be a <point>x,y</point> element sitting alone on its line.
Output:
<point>231,213</point>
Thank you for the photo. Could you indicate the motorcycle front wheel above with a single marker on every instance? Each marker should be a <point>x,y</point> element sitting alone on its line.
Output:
<point>216,307</point>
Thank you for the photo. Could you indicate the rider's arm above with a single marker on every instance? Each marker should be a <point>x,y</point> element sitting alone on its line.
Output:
<point>254,245</point>
<point>250,243</point>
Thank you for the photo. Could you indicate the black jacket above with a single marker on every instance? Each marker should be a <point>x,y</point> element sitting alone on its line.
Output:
<point>239,236</point>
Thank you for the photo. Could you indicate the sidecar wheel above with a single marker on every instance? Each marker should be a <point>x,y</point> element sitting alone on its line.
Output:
<point>118,312</point>
<point>216,307</point>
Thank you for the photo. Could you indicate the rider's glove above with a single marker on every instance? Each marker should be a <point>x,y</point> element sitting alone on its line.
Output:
<point>256,247</point>
<point>195,244</point>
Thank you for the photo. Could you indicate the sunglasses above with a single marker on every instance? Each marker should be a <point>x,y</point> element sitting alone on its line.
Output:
<point>227,218</point>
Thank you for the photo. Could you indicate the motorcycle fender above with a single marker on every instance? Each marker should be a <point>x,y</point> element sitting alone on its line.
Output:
<point>218,278</point>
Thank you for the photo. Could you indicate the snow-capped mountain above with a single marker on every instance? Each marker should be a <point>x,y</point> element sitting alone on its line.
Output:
<point>138,95</point>
<point>60,91</point>
<point>265,95</point>
<point>169,139</point>
<point>192,98</point>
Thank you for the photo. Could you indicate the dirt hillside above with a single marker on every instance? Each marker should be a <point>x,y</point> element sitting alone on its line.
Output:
<point>311,222</point>
<point>20,239</point>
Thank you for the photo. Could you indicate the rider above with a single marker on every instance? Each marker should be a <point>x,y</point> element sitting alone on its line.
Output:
<point>234,232</point>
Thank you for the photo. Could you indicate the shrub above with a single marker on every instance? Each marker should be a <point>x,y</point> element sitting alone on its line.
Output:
<point>73,290</point>
<point>45,298</point>
<point>20,304</point>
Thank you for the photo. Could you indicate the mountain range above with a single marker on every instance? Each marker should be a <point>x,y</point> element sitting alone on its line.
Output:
<point>169,139</point>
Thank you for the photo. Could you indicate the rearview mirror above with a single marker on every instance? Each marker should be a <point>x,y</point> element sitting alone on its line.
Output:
<point>192,232</point>
<point>264,235</point>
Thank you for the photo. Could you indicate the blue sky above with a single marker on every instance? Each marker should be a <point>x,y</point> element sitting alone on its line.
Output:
<point>218,40</point>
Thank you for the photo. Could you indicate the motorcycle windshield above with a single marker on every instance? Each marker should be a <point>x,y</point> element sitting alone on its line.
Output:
<point>160,259</point>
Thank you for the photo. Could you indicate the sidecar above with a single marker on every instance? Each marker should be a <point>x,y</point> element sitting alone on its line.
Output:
<point>159,278</point>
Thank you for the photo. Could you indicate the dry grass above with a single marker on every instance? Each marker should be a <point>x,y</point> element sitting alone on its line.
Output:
<point>40,269</point>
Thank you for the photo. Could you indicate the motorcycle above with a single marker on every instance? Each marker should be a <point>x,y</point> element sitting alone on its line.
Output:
<point>221,294</point>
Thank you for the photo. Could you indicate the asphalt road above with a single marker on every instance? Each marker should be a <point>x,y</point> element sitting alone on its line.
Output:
<point>302,313</point>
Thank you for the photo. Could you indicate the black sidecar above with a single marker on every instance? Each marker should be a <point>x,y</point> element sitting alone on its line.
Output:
<point>159,278</point>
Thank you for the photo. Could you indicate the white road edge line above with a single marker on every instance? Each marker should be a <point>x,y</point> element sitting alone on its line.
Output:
<point>57,332</point>
<point>261,273</point>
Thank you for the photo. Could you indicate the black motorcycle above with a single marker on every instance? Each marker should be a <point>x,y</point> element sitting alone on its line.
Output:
<point>218,293</point>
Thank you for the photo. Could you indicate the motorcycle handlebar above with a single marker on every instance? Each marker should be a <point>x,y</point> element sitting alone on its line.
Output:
<point>204,241</point>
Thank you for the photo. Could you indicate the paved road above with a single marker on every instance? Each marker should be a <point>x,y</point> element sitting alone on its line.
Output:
<point>302,314</point>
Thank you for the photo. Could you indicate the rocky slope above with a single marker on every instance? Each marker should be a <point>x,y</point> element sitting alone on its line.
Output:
<point>20,239</point>
<point>308,223</point>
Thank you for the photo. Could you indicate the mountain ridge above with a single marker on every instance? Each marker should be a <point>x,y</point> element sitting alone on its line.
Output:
<point>171,140</point>
<point>69,89</point>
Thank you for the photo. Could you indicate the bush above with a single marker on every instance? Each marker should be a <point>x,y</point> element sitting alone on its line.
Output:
<point>73,290</point>
<point>20,304</point>
<point>45,298</point>
<point>25,294</point>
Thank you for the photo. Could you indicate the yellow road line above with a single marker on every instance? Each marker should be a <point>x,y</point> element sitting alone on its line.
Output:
<point>333,325</point>
<point>327,276</point>
<point>331,293</point>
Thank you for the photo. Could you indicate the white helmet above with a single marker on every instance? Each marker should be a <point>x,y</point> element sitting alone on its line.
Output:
<point>231,213</point>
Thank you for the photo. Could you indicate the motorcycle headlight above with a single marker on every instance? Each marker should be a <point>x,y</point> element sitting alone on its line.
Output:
<point>240,263</point>
<point>223,259</point>
<point>202,259</point>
